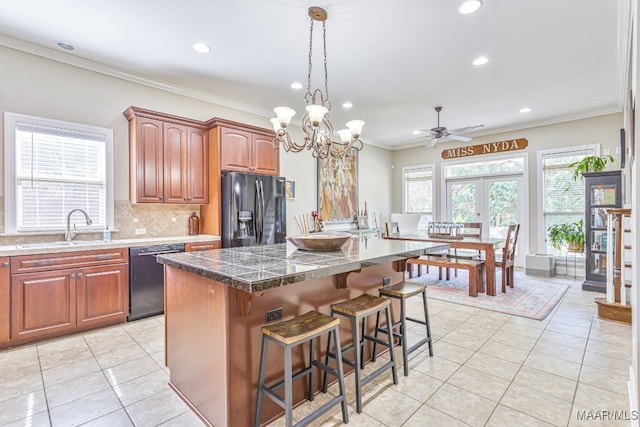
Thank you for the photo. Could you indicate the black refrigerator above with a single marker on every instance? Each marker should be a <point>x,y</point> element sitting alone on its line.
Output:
<point>253,209</point>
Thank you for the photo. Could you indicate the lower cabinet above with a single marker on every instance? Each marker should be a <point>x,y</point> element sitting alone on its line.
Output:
<point>57,294</point>
<point>202,246</point>
<point>102,295</point>
<point>5,301</point>
<point>43,304</point>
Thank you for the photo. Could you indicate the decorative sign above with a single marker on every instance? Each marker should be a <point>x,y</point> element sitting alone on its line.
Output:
<point>488,148</point>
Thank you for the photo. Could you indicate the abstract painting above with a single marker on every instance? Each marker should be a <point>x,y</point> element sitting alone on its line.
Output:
<point>338,188</point>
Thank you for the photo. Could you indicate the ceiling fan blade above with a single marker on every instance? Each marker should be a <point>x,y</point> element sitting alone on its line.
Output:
<point>459,138</point>
<point>433,142</point>
<point>467,129</point>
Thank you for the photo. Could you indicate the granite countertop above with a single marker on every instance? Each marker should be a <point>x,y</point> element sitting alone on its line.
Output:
<point>91,245</point>
<point>257,268</point>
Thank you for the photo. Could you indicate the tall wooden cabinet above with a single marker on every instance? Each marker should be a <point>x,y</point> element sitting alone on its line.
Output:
<point>603,190</point>
<point>235,147</point>
<point>168,157</point>
<point>5,301</point>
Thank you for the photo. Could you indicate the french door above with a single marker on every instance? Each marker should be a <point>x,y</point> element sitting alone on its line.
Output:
<point>495,201</point>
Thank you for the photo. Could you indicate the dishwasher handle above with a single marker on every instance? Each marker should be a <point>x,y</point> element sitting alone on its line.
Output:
<point>158,253</point>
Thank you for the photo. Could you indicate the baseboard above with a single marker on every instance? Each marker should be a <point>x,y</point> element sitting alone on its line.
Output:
<point>633,397</point>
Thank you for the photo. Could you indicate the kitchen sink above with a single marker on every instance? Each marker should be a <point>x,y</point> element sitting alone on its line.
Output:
<point>59,244</point>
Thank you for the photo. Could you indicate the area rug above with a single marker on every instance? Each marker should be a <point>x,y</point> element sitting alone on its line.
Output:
<point>532,297</point>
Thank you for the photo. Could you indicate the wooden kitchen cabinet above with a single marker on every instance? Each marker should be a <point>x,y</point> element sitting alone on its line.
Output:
<point>57,294</point>
<point>168,157</point>
<point>248,151</point>
<point>102,295</point>
<point>43,304</point>
<point>202,246</point>
<point>5,300</point>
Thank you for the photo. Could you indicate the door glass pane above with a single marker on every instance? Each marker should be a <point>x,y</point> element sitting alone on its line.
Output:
<point>503,206</point>
<point>486,167</point>
<point>463,202</point>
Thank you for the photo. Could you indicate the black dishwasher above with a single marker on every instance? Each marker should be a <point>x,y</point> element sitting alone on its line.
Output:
<point>146,280</point>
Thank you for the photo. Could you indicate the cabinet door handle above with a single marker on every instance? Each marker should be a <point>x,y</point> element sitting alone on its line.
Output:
<point>161,198</point>
<point>103,257</point>
<point>73,276</point>
<point>43,262</point>
<point>186,199</point>
<point>79,274</point>
<point>5,264</point>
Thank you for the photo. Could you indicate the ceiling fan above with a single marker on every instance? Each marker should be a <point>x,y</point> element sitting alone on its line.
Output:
<point>440,132</point>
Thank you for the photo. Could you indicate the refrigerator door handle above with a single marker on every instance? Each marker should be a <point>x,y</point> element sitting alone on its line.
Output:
<point>261,195</point>
<point>258,216</point>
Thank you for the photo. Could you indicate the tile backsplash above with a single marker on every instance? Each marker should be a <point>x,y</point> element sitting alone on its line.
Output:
<point>158,220</point>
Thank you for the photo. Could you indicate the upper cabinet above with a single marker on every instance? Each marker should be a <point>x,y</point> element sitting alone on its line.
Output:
<point>169,158</point>
<point>247,149</point>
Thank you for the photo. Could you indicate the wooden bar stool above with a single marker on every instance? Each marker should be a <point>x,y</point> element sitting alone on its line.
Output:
<point>357,310</point>
<point>402,291</point>
<point>291,333</point>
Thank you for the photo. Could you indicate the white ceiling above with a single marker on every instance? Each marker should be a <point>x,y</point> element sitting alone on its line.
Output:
<point>393,59</point>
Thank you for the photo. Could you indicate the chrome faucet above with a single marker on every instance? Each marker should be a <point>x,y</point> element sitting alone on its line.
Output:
<point>70,234</point>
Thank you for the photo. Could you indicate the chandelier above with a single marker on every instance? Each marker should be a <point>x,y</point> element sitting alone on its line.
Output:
<point>316,125</point>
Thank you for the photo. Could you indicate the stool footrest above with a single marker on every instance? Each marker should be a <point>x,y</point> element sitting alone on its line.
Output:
<point>320,411</point>
<point>414,320</point>
<point>366,380</point>
<point>271,388</point>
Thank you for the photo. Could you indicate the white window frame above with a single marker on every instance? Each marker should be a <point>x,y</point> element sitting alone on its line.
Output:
<point>11,121</point>
<point>555,152</point>
<point>405,198</point>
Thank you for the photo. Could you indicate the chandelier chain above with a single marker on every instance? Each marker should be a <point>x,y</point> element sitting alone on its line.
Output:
<point>326,74</point>
<point>310,59</point>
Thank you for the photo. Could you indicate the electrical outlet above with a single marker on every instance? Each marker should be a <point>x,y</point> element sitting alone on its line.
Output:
<point>141,231</point>
<point>173,220</point>
<point>386,281</point>
<point>273,314</point>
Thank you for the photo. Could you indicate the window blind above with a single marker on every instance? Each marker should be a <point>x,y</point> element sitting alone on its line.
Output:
<point>58,170</point>
<point>563,197</point>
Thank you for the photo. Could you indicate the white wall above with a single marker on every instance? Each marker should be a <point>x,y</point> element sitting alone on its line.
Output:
<point>45,88</point>
<point>604,130</point>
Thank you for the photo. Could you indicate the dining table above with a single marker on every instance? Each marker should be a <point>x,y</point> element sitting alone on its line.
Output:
<point>488,245</point>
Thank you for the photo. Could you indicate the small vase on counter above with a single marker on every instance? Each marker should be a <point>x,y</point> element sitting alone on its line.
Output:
<point>194,224</point>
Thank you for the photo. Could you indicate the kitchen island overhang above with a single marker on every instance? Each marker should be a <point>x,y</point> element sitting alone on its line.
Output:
<point>215,305</point>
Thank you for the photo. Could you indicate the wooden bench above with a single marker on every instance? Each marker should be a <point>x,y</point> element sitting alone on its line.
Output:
<point>473,266</point>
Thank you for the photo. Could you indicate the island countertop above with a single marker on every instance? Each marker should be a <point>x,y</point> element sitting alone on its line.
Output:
<point>258,268</point>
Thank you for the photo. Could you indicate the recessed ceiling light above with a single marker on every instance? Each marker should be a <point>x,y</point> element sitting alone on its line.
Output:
<point>201,47</point>
<point>417,132</point>
<point>296,85</point>
<point>469,6</point>
<point>481,60</point>
<point>347,105</point>
<point>525,110</point>
<point>65,46</point>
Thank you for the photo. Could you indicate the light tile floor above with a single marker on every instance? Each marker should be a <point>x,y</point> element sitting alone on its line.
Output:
<point>489,369</point>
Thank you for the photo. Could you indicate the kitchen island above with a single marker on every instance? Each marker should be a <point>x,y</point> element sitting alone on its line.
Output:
<point>216,302</point>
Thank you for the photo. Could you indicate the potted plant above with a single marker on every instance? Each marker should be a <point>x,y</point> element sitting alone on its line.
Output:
<point>569,235</point>
<point>590,164</point>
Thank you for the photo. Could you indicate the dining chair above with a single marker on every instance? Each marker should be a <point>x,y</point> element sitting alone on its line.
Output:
<point>505,259</point>
<point>407,222</point>
<point>468,229</point>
